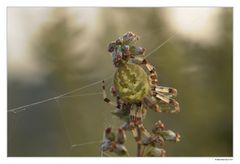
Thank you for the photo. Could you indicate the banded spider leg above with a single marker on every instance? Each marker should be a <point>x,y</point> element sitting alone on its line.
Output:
<point>136,122</point>
<point>107,100</point>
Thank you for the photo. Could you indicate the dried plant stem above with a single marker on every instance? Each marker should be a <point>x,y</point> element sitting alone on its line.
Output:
<point>143,149</point>
<point>139,147</point>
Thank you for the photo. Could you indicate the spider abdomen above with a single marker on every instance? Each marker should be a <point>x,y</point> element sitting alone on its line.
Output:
<point>131,83</point>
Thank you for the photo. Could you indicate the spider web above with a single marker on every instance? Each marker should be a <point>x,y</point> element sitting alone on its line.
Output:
<point>109,120</point>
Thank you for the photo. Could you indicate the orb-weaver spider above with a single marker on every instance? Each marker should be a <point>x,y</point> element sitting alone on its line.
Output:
<point>135,91</point>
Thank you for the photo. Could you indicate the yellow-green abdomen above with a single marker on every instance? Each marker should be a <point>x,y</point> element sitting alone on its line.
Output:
<point>131,82</point>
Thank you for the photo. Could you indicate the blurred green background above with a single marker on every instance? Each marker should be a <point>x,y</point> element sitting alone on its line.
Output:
<point>55,50</point>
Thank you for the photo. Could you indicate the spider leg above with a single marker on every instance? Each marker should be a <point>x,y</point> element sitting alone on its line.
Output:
<point>144,130</point>
<point>157,108</point>
<point>135,134</point>
<point>171,92</point>
<point>119,103</point>
<point>132,118</point>
<point>151,102</point>
<point>107,100</point>
<point>132,123</point>
<point>139,122</point>
<point>153,74</point>
<point>136,118</point>
<point>168,100</point>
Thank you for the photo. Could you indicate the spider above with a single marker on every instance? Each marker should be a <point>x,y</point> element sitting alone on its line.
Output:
<point>135,86</point>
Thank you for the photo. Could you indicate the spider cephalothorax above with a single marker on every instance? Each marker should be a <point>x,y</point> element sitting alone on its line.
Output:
<point>136,90</point>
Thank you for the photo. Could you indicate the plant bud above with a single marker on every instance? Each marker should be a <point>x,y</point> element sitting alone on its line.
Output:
<point>151,151</point>
<point>169,135</point>
<point>137,50</point>
<point>130,38</point>
<point>109,135</point>
<point>158,127</point>
<point>105,146</point>
<point>120,150</point>
<point>119,41</point>
<point>126,48</point>
<point>111,46</point>
<point>121,136</point>
<point>147,140</point>
<point>140,50</point>
<point>158,152</point>
<point>158,141</point>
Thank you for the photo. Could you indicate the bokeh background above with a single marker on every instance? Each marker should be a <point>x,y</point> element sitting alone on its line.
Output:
<point>55,50</point>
